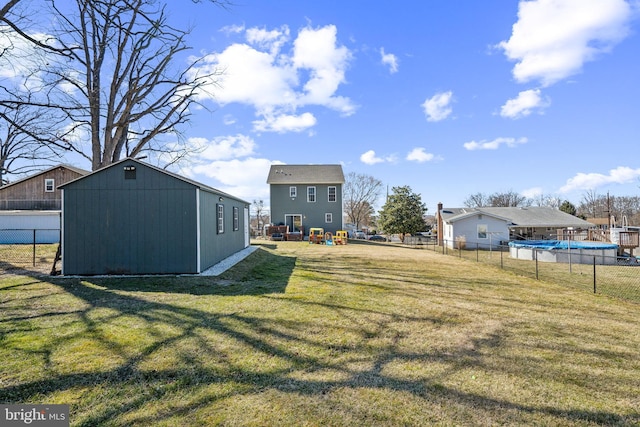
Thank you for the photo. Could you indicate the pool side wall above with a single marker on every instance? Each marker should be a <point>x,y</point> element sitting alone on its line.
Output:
<point>575,256</point>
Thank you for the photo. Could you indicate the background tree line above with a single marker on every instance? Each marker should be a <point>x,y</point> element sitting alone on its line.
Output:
<point>591,205</point>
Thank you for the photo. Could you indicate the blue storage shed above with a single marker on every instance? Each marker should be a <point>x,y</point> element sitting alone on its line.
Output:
<point>134,218</point>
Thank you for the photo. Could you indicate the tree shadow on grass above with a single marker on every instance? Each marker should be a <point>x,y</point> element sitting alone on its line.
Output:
<point>204,340</point>
<point>42,268</point>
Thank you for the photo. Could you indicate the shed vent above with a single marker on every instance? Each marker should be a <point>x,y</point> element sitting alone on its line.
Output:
<point>129,172</point>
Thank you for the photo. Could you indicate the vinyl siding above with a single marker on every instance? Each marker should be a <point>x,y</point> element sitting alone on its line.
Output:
<point>313,213</point>
<point>141,226</point>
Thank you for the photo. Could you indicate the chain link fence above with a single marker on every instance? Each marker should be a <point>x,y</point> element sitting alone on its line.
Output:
<point>28,249</point>
<point>607,275</point>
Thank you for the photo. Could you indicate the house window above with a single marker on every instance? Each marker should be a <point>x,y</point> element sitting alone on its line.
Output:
<point>328,217</point>
<point>236,219</point>
<point>220,217</point>
<point>483,231</point>
<point>49,185</point>
<point>311,194</point>
<point>332,194</point>
<point>293,192</point>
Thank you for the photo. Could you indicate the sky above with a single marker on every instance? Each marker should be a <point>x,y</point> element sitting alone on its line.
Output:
<point>450,98</point>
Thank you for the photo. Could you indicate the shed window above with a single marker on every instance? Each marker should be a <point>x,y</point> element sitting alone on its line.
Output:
<point>311,194</point>
<point>220,218</point>
<point>328,217</point>
<point>293,192</point>
<point>332,194</point>
<point>49,185</point>
<point>236,218</point>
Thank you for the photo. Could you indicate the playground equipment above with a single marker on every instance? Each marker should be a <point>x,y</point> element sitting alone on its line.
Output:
<point>316,235</point>
<point>328,238</point>
<point>340,237</point>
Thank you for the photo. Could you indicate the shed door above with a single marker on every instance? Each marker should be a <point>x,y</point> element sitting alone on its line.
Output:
<point>246,227</point>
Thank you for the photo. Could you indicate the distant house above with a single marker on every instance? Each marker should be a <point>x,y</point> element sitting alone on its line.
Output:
<point>306,196</point>
<point>30,207</point>
<point>493,225</point>
<point>133,218</point>
<point>38,191</point>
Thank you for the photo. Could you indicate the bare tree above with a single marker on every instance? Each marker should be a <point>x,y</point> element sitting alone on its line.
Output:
<point>593,205</point>
<point>360,194</point>
<point>110,70</point>
<point>545,200</point>
<point>509,198</point>
<point>7,7</point>
<point>477,200</point>
<point>618,208</point>
<point>261,217</point>
<point>25,143</point>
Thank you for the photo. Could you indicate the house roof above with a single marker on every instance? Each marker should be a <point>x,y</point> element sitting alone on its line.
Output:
<point>71,168</point>
<point>166,172</point>
<point>305,174</point>
<point>533,216</point>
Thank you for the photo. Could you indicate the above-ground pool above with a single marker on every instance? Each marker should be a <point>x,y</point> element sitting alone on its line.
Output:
<point>578,252</point>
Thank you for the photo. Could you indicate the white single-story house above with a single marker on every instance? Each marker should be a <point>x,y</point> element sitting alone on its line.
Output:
<point>491,226</point>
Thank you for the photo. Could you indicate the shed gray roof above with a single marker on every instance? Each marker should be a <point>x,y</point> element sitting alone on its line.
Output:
<point>305,174</point>
<point>533,216</point>
<point>197,184</point>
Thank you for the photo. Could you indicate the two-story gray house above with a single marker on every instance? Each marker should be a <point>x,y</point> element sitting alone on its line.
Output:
<point>306,196</point>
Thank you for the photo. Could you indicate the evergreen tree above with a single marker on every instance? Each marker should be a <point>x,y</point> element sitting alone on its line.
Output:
<point>403,213</point>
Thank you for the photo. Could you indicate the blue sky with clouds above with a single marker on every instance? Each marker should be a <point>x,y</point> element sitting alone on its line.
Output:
<point>451,98</point>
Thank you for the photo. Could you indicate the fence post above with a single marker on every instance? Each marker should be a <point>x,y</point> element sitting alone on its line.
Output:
<point>535,253</point>
<point>477,252</point>
<point>34,247</point>
<point>501,264</point>
<point>594,274</point>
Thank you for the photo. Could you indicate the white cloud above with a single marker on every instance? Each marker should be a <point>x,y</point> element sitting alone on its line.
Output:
<point>370,158</point>
<point>438,107</point>
<point>285,123</point>
<point>390,60</point>
<point>228,119</point>
<point>249,76</point>
<point>278,81</point>
<point>232,29</point>
<point>316,50</point>
<point>532,193</point>
<point>224,147</point>
<point>590,181</point>
<point>420,155</point>
<point>524,104</point>
<point>552,39</point>
<point>494,144</point>
<point>238,176</point>
<point>271,40</point>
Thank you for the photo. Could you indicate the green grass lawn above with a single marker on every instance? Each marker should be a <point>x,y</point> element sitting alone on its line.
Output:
<point>298,334</point>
